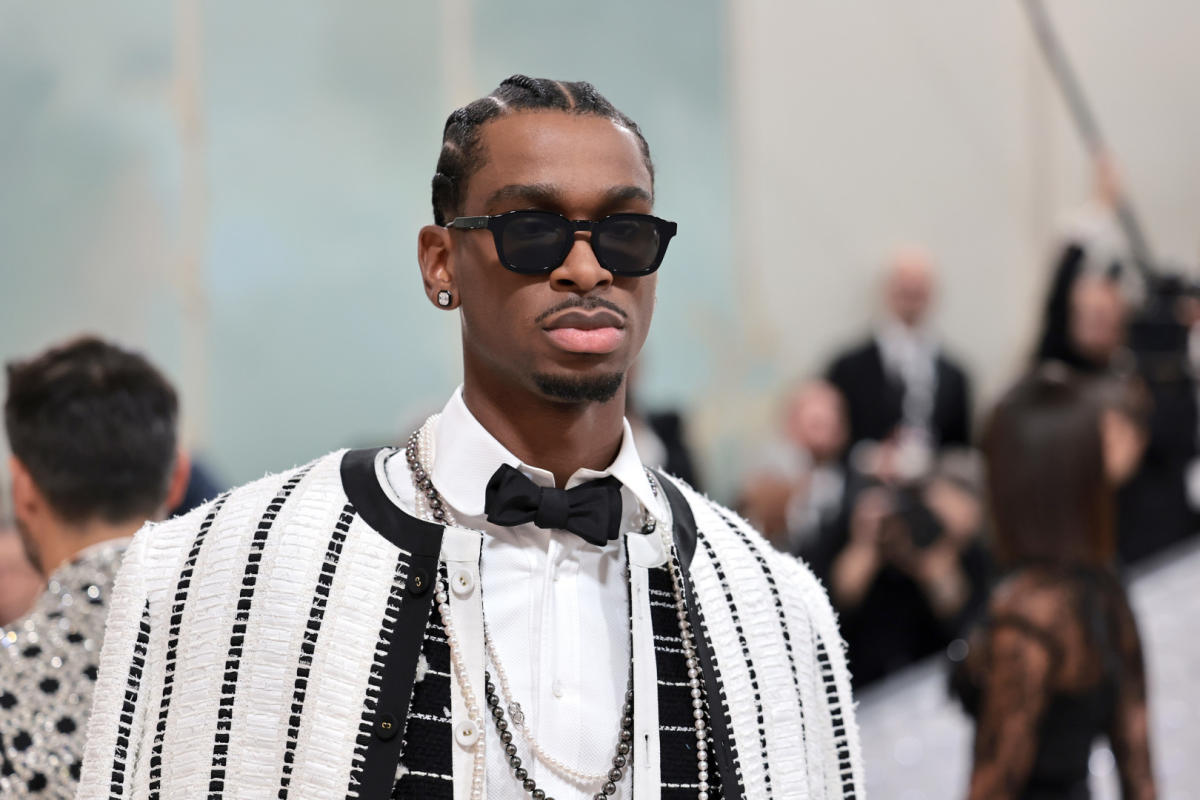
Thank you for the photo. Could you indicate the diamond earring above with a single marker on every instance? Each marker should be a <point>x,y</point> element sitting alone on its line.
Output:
<point>443,298</point>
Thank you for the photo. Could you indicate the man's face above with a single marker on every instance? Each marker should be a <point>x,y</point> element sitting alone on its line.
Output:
<point>910,291</point>
<point>569,335</point>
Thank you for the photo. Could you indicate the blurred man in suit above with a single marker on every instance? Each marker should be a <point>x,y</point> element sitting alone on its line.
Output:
<point>899,385</point>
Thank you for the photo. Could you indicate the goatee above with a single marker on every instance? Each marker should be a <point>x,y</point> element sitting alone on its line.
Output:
<point>576,389</point>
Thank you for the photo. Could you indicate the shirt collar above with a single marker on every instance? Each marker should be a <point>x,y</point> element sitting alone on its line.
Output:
<point>892,334</point>
<point>465,456</point>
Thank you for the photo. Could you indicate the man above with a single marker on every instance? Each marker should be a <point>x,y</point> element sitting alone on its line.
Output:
<point>441,621</point>
<point>92,432</point>
<point>799,490</point>
<point>899,385</point>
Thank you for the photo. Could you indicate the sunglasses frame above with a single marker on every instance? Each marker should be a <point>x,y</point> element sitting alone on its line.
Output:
<point>496,223</point>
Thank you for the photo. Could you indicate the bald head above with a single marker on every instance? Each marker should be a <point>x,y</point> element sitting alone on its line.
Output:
<point>910,284</point>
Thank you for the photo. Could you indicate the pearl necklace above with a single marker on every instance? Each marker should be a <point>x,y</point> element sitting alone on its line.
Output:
<point>518,719</point>
<point>429,503</point>
<point>441,515</point>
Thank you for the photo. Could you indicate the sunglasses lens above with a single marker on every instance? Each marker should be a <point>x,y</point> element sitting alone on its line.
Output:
<point>627,244</point>
<point>534,242</point>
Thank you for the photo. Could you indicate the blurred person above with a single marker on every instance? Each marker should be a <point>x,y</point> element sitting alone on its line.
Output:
<point>899,385</point>
<point>1125,409</point>
<point>203,485</point>
<point>660,436</point>
<point>1087,318</point>
<point>92,430</point>
<point>799,489</point>
<point>1093,324</point>
<point>1057,661</point>
<point>20,583</point>
<point>511,605</point>
<point>906,567</point>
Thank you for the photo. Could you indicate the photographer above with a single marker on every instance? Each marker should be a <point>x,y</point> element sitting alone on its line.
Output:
<point>1104,319</point>
<point>907,567</point>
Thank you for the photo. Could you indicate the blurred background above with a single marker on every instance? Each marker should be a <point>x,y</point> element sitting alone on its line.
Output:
<point>236,192</point>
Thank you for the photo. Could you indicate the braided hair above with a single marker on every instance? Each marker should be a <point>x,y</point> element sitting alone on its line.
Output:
<point>462,154</point>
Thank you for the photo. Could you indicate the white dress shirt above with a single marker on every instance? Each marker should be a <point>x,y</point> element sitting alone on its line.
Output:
<point>910,354</point>
<point>556,607</point>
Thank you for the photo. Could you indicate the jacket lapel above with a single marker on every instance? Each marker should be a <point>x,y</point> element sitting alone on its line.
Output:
<point>677,747</point>
<point>391,697</point>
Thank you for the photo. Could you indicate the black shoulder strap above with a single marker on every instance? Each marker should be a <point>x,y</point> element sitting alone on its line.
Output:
<point>423,541</point>
<point>686,536</point>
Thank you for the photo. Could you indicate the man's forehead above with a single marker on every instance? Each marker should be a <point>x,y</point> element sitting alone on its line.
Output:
<point>550,193</point>
<point>556,153</point>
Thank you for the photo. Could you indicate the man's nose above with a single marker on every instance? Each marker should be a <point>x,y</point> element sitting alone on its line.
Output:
<point>580,271</point>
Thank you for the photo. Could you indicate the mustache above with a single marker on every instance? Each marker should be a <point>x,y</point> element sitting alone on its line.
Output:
<point>582,303</point>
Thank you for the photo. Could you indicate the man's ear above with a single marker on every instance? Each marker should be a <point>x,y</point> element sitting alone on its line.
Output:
<point>177,488</point>
<point>437,265</point>
<point>27,499</point>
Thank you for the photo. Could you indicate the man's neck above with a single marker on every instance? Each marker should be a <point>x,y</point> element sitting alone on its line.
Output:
<point>66,541</point>
<point>558,437</point>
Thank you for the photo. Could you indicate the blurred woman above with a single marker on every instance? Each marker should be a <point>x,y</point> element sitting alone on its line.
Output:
<point>1057,662</point>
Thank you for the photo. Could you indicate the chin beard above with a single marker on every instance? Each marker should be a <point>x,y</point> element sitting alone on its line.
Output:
<point>576,389</point>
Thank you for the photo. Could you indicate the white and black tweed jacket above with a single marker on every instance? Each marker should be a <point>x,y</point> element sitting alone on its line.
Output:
<point>279,643</point>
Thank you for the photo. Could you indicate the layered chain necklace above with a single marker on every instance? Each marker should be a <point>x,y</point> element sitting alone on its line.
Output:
<point>430,505</point>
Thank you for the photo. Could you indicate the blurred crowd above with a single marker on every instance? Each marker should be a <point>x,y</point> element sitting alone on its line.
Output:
<point>875,477</point>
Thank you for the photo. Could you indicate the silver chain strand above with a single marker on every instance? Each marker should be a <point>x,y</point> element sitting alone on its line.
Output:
<point>430,505</point>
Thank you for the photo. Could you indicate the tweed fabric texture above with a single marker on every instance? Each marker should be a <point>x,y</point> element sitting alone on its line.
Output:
<point>425,771</point>
<point>676,730</point>
<point>780,661</point>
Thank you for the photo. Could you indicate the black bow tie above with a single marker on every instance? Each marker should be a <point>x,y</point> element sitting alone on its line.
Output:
<point>591,510</point>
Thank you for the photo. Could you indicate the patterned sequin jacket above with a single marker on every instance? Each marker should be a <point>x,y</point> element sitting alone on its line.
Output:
<point>48,667</point>
<point>279,643</point>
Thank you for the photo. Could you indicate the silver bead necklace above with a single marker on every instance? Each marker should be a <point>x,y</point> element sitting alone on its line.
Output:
<point>429,504</point>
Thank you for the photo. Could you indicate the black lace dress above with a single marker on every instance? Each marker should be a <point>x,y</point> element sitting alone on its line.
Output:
<point>1056,665</point>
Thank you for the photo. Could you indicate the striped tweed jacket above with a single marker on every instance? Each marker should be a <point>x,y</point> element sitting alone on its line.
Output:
<point>280,642</point>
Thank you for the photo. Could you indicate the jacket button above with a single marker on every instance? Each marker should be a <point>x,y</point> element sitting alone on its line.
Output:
<point>418,582</point>
<point>466,734</point>
<point>386,727</point>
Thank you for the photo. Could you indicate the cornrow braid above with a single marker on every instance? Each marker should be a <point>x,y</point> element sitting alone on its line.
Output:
<point>462,154</point>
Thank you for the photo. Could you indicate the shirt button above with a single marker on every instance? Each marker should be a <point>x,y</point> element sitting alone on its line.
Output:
<point>466,734</point>
<point>557,688</point>
<point>462,583</point>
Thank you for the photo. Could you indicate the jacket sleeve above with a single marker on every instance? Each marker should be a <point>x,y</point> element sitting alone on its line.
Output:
<point>117,722</point>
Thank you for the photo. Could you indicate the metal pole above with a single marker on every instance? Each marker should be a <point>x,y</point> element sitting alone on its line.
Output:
<point>188,105</point>
<point>1089,128</point>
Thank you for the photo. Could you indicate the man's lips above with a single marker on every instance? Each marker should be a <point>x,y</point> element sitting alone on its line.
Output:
<point>585,320</point>
<point>584,332</point>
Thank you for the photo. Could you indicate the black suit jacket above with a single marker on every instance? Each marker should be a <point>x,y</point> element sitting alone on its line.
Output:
<point>875,399</point>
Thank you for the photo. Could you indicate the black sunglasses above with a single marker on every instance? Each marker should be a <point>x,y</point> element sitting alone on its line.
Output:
<point>536,242</point>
